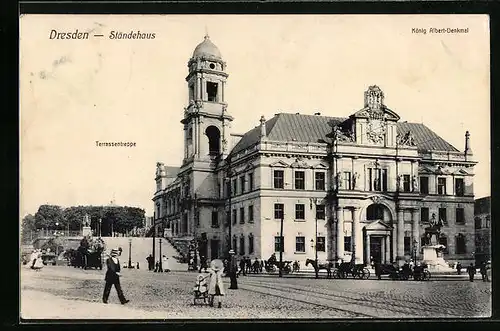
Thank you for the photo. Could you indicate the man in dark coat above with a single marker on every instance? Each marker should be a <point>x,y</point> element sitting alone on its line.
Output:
<point>113,278</point>
<point>471,270</point>
<point>233,268</point>
<point>151,262</point>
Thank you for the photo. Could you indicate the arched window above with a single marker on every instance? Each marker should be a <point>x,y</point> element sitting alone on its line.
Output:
<point>375,212</point>
<point>460,244</point>
<point>213,135</point>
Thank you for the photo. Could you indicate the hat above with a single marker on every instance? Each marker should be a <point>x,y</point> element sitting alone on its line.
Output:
<point>231,251</point>
<point>217,265</point>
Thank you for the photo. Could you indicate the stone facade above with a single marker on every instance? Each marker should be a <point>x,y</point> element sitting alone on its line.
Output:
<point>362,187</point>
<point>482,224</point>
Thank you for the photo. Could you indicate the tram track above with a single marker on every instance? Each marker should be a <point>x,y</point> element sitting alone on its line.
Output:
<point>364,302</point>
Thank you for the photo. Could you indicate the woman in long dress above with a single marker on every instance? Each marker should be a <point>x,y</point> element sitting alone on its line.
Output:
<point>38,262</point>
<point>216,286</point>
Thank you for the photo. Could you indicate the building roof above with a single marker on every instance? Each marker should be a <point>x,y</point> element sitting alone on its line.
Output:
<point>314,128</point>
<point>482,206</point>
<point>207,49</point>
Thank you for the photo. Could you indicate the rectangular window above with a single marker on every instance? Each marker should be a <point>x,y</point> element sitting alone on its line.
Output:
<point>235,244</point>
<point>212,91</point>
<point>460,216</point>
<point>242,184</point>
<point>235,187</point>
<point>442,215</point>
<point>459,187</point>
<point>235,216</point>
<point>477,222</point>
<point>278,244</point>
<point>300,211</point>
<point>384,180</point>
<point>250,214</point>
<point>250,244</point>
<point>424,215</point>
<point>377,179</point>
<point>320,246</point>
<point>347,180</point>
<point>424,185</point>
<point>347,244</point>
<point>279,210</point>
<point>242,215</point>
<point>300,180</point>
<point>442,186</point>
<point>320,212</point>
<point>407,245</point>
<point>191,92</point>
<point>250,181</point>
<point>215,219</point>
<point>319,178</point>
<point>279,181</point>
<point>300,244</point>
<point>242,245</point>
<point>406,183</point>
<point>460,244</point>
<point>228,188</point>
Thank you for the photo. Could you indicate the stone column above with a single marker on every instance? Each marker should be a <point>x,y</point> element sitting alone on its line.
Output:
<point>415,229</point>
<point>400,234</point>
<point>387,249</point>
<point>340,232</point>
<point>357,236</point>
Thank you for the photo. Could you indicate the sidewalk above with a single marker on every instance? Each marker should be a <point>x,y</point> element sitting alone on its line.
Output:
<point>42,305</point>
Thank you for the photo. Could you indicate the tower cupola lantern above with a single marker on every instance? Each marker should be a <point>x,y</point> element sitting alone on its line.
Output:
<point>263,132</point>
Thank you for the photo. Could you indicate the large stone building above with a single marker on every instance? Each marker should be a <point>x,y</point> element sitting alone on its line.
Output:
<point>366,185</point>
<point>482,225</point>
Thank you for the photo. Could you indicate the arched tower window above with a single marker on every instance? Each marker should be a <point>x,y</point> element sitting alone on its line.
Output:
<point>213,135</point>
<point>375,212</point>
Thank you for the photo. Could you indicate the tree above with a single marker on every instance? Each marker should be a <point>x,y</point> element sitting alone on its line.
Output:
<point>47,216</point>
<point>28,227</point>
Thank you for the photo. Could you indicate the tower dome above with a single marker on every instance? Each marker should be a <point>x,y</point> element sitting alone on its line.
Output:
<point>207,49</point>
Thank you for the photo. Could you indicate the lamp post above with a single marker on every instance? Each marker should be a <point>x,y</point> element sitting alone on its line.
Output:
<point>282,244</point>
<point>161,260</point>
<point>415,243</point>
<point>315,202</point>
<point>129,253</point>
<point>100,227</point>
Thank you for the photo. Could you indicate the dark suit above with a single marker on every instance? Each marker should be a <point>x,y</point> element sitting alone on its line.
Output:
<point>233,268</point>
<point>112,278</point>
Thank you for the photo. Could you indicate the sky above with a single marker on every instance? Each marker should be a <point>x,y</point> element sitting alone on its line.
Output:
<point>76,92</point>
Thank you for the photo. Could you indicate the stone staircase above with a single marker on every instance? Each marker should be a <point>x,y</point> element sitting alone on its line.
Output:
<point>141,248</point>
<point>181,245</point>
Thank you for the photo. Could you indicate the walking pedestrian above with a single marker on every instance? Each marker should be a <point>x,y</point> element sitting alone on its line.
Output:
<point>151,262</point>
<point>459,268</point>
<point>242,267</point>
<point>165,266</point>
<point>233,267</point>
<point>203,263</point>
<point>482,269</point>
<point>216,286</point>
<point>113,278</point>
<point>471,270</point>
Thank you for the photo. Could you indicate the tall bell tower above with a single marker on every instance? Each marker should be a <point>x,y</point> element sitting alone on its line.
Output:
<point>206,121</point>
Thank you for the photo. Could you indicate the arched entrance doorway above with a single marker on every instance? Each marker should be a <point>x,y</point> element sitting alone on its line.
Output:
<point>377,234</point>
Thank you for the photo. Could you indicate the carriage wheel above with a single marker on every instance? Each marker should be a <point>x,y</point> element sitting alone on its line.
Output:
<point>366,273</point>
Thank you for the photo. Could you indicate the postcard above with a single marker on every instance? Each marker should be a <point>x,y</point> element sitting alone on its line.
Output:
<point>254,167</point>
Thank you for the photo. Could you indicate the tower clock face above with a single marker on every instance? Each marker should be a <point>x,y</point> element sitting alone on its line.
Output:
<point>376,131</point>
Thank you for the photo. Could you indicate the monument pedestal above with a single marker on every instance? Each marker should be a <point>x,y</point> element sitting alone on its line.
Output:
<point>87,231</point>
<point>433,257</point>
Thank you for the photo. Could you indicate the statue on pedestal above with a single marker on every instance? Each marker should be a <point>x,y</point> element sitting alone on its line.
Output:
<point>433,231</point>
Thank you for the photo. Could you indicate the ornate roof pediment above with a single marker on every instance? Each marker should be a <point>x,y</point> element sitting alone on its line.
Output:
<point>425,170</point>
<point>299,163</point>
<point>320,166</point>
<point>460,172</point>
<point>378,225</point>
<point>279,164</point>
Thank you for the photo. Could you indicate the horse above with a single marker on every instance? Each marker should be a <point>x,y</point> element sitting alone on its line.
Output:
<point>327,266</point>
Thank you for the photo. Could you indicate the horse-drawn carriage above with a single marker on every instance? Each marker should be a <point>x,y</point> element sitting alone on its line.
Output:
<point>274,266</point>
<point>419,272</point>
<point>88,255</point>
<point>350,269</point>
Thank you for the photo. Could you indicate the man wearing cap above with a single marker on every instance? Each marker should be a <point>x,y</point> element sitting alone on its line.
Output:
<point>113,278</point>
<point>233,268</point>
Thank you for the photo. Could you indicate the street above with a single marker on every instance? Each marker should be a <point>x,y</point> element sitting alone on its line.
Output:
<point>70,293</point>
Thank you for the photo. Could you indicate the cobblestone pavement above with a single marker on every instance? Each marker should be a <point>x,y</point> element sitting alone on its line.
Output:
<point>65,292</point>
